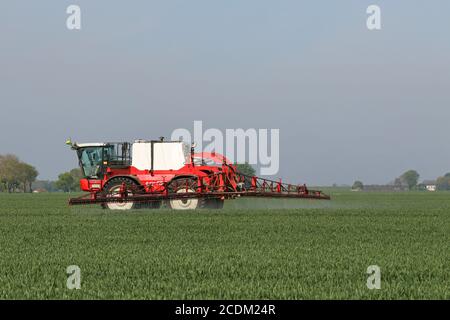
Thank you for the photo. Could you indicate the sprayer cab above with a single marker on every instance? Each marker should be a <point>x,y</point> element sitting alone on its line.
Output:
<point>95,158</point>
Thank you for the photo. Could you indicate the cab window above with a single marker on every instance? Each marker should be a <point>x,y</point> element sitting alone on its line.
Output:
<point>91,161</point>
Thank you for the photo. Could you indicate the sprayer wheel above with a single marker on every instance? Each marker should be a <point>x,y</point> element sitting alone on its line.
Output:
<point>183,185</point>
<point>112,189</point>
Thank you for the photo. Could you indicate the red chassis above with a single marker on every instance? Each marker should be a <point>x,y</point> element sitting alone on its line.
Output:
<point>209,176</point>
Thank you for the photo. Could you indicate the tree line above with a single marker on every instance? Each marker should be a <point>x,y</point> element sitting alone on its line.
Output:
<point>443,183</point>
<point>69,181</point>
<point>19,176</point>
<point>409,180</point>
<point>15,174</point>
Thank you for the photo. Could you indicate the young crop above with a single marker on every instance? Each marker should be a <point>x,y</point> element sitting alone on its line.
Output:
<point>280,250</point>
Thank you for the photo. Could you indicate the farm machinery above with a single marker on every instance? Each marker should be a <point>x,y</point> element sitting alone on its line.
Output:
<point>148,174</point>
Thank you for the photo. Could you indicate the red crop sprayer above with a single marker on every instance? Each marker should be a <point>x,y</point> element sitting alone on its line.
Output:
<point>146,174</point>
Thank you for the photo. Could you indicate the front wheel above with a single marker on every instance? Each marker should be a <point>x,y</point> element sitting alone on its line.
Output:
<point>113,188</point>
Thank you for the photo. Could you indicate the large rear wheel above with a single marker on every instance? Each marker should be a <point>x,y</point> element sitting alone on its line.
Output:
<point>184,185</point>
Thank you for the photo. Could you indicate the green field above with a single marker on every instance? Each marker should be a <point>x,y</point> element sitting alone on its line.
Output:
<point>278,250</point>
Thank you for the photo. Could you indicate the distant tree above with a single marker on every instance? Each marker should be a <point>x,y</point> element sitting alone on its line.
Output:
<point>3,186</point>
<point>9,172</point>
<point>26,175</point>
<point>398,182</point>
<point>69,181</point>
<point>410,177</point>
<point>443,183</point>
<point>65,182</point>
<point>246,169</point>
<point>2,175</point>
<point>77,174</point>
<point>357,185</point>
<point>15,174</point>
<point>32,174</point>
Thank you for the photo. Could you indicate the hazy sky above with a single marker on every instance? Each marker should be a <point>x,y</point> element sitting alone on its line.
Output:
<point>350,103</point>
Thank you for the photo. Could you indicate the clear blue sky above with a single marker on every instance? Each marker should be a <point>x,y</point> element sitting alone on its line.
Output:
<point>349,103</point>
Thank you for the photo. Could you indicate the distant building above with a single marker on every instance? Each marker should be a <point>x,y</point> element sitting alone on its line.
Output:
<point>429,185</point>
<point>39,190</point>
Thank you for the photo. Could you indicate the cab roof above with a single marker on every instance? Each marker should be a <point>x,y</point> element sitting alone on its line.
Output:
<point>89,144</point>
